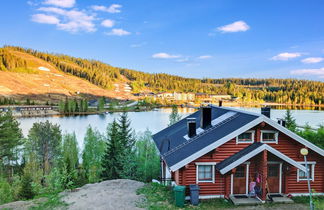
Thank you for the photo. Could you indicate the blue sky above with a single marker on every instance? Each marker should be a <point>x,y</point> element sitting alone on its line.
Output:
<point>206,38</point>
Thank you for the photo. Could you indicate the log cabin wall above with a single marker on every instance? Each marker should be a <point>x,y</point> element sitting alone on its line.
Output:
<point>286,145</point>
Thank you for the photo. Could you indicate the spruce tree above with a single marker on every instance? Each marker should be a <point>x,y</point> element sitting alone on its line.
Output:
<point>111,162</point>
<point>290,121</point>
<point>127,153</point>
<point>125,131</point>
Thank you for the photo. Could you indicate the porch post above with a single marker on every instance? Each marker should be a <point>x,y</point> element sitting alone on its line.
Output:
<point>264,174</point>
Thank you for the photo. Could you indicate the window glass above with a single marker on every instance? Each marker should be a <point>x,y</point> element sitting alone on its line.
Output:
<point>205,173</point>
<point>302,174</point>
<point>245,137</point>
<point>267,136</point>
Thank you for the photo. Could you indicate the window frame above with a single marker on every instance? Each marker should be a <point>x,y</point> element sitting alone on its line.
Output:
<point>212,164</point>
<point>276,135</point>
<point>246,142</point>
<point>311,178</point>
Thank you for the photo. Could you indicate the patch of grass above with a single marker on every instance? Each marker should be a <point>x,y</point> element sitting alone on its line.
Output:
<point>161,197</point>
<point>317,200</point>
<point>52,202</point>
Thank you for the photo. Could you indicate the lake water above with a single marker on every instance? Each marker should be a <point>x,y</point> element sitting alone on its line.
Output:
<point>153,120</point>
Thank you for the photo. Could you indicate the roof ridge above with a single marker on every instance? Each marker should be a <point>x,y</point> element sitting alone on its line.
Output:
<point>199,135</point>
<point>237,110</point>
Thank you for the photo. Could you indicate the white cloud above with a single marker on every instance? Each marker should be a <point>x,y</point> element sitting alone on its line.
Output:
<point>46,19</point>
<point>165,56</point>
<point>118,32</point>
<point>72,20</point>
<point>309,72</point>
<point>108,23</point>
<point>285,56</point>
<point>234,27</point>
<point>114,8</point>
<point>313,60</point>
<point>202,57</point>
<point>60,3</point>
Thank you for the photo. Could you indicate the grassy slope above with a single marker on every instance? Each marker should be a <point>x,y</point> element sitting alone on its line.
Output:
<point>32,81</point>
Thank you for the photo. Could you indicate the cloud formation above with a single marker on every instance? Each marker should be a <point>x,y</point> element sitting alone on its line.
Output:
<point>313,60</point>
<point>163,55</point>
<point>60,3</point>
<point>67,17</point>
<point>114,8</point>
<point>108,23</point>
<point>237,26</point>
<point>45,19</point>
<point>70,20</point>
<point>309,72</point>
<point>118,32</point>
<point>285,56</point>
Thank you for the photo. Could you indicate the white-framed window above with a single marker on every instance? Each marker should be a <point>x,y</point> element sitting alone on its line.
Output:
<point>302,176</point>
<point>205,172</point>
<point>246,137</point>
<point>269,136</point>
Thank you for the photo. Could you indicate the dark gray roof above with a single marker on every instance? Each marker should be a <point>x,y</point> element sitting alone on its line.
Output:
<point>175,148</point>
<point>238,155</point>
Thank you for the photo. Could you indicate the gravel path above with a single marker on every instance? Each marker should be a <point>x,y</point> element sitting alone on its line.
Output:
<point>112,194</point>
<point>293,206</point>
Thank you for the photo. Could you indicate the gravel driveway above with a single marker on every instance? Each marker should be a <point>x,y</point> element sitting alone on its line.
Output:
<point>113,194</point>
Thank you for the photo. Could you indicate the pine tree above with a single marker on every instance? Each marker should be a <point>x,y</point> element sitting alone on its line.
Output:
<point>127,153</point>
<point>290,121</point>
<point>127,139</point>
<point>111,162</point>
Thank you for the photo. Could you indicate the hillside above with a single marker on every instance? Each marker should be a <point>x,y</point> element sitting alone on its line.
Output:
<point>22,75</point>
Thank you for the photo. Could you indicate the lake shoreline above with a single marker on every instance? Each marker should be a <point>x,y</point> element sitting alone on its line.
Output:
<point>146,109</point>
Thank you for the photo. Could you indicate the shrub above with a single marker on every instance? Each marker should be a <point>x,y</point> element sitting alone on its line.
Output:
<point>6,194</point>
<point>26,190</point>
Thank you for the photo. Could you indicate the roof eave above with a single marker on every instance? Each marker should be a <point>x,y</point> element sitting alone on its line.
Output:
<point>294,136</point>
<point>257,151</point>
<point>216,144</point>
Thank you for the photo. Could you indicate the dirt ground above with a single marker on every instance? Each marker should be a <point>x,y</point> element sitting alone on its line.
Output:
<point>113,194</point>
<point>293,206</point>
<point>119,194</point>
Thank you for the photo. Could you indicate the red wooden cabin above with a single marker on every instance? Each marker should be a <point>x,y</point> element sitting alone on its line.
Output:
<point>225,150</point>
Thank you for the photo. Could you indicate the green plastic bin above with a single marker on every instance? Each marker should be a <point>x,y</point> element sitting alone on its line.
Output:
<point>179,195</point>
